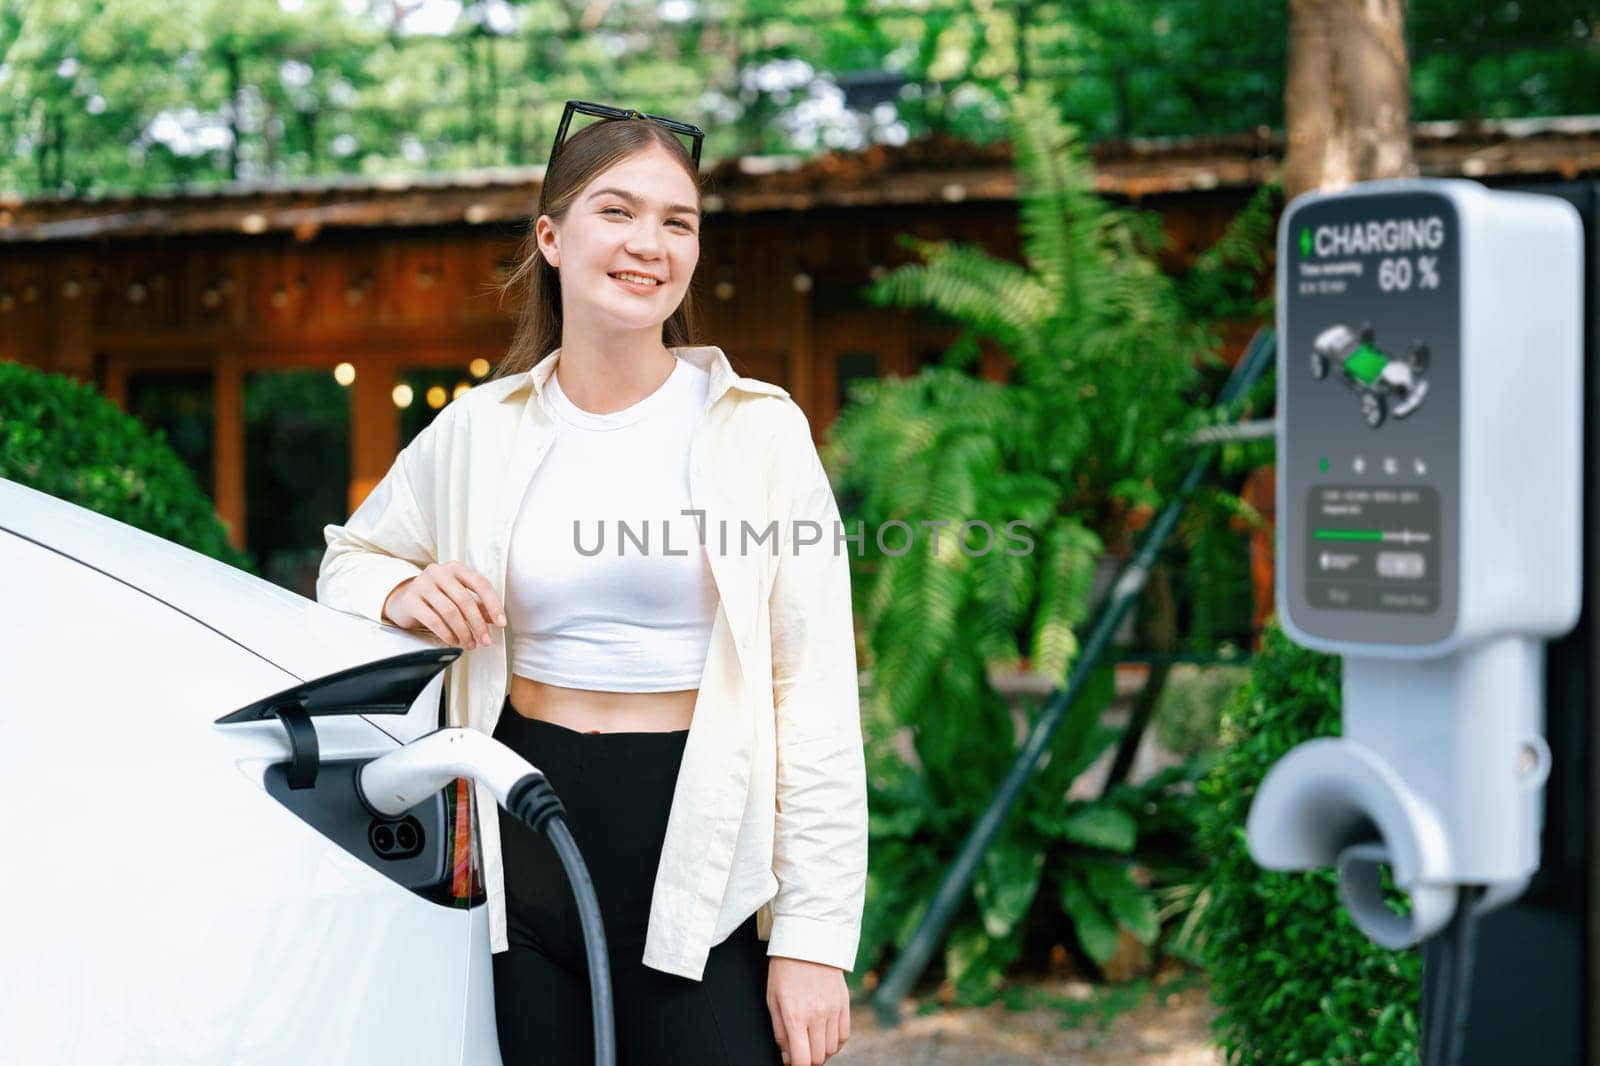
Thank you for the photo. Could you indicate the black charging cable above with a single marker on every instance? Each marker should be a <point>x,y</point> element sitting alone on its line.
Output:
<point>534,802</point>
<point>1447,961</point>
<point>394,783</point>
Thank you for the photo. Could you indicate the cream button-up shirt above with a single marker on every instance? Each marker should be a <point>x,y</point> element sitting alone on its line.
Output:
<point>770,811</point>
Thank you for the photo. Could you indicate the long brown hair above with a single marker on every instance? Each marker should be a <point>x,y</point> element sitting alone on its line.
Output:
<point>585,154</point>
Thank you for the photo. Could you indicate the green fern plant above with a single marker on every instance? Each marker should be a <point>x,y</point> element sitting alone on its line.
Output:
<point>1107,350</point>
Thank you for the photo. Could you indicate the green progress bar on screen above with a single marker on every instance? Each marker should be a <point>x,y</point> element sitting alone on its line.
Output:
<point>1347,534</point>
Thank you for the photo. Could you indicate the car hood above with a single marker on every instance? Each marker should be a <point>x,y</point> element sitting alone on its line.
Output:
<point>300,636</point>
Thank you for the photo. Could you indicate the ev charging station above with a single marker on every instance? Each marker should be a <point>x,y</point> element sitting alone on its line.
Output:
<point>1431,532</point>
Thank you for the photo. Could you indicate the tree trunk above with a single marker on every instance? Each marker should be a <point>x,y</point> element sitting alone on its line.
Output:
<point>1347,118</point>
<point>1347,103</point>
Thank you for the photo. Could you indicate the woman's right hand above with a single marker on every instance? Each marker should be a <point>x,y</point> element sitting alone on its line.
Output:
<point>450,600</point>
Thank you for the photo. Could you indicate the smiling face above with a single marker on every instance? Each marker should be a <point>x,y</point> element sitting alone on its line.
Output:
<point>638,218</point>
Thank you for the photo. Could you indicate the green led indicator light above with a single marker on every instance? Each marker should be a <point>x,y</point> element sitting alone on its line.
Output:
<point>1305,243</point>
<point>1322,464</point>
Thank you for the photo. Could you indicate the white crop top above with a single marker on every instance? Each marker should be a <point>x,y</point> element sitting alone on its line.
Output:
<point>636,615</point>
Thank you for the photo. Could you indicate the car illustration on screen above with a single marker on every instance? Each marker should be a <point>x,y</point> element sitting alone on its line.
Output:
<point>1387,386</point>
<point>189,880</point>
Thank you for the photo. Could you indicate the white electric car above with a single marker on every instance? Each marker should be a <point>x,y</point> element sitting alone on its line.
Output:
<point>193,878</point>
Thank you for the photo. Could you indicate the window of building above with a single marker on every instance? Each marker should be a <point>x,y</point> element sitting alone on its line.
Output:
<point>296,471</point>
<point>179,404</point>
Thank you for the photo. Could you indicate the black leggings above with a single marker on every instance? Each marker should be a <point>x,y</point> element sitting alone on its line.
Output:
<point>617,789</point>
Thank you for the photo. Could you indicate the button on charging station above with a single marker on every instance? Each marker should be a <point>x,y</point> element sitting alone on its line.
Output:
<point>1401,564</point>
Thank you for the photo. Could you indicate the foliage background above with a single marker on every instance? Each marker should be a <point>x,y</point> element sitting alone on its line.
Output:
<point>1092,325</point>
<point>109,94</point>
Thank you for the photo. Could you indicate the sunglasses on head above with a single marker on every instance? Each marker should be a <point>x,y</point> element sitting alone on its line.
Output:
<point>603,111</point>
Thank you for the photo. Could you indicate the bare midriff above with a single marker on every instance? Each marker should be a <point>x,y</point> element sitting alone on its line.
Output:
<point>591,711</point>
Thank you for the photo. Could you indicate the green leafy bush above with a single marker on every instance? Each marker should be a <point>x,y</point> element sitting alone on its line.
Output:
<point>1293,978</point>
<point>1084,871</point>
<point>63,438</point>
<point>1188,716</point>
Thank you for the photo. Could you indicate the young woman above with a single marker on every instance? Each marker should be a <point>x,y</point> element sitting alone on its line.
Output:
<point>640,552</point>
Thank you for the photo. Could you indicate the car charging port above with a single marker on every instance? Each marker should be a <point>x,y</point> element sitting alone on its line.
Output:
<point>395,839</point>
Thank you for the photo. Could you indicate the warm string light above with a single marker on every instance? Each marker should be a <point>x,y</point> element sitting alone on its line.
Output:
<point>222,286</point>
<point>73,287</point>
<point>357,289</point>
<point>344,373</point>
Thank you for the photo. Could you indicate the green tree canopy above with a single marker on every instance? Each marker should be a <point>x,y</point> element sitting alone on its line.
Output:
<point>97,95</point>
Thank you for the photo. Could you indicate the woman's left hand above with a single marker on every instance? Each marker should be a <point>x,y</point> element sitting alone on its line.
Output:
<point>810,1007</point>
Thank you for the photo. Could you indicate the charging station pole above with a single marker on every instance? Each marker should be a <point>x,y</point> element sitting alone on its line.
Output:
<point>1432,503</point>
<point>1535,996</point>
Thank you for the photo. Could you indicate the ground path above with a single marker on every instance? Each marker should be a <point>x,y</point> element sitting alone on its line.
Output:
<point>1062,1021</point>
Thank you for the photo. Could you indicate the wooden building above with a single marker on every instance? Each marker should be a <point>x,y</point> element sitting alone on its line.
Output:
<point>178,306</point>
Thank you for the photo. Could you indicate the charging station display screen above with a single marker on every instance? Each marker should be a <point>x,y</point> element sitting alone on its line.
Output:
<point>1370,393</point>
